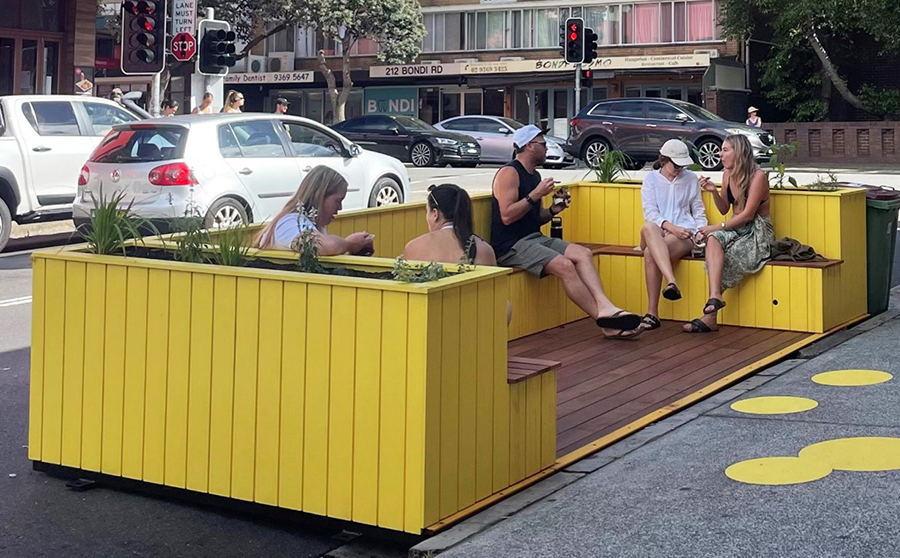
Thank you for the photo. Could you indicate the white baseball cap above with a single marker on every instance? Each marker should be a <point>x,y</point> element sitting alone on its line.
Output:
<point>678,151</point>
<point>525,134</point>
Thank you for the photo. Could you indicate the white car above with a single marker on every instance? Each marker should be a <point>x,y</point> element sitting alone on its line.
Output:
<point>229,168</point>
<point>44,140</point>
<point>495,136</point>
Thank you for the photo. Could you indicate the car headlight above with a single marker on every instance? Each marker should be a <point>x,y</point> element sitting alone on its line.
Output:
<point>446,141</point>
<point>551,143</point>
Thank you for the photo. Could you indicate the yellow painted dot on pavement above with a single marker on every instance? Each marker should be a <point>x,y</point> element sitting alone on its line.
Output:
<point>849,378</point>
<point>774,405</point>
<point>856,454</point>
<point>777,471</point>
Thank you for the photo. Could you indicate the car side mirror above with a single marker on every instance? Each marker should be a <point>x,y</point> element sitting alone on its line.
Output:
<point>395,131</point>
<point>681,117</point>
<point>355,150</point>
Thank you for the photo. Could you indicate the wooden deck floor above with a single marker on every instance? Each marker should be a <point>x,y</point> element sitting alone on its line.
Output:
<point>604,385</point>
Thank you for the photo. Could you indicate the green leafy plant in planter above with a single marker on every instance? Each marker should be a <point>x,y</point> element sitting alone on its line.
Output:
<point>193,243</point>
<point>231,246</point>
<point>111,226</point>
<point>828,183</point>
<point>779,153</point>
<point>611,167</point>
<point>407,273</point>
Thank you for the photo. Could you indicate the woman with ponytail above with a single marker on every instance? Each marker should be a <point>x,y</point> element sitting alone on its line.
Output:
<point>451,238</point>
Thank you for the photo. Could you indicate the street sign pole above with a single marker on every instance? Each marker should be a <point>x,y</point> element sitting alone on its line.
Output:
<point>577,90</point>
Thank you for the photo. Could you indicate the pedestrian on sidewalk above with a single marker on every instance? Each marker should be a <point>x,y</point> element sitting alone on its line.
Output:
<point>282,105</point>
<point>753,119</point>
<point>674,213</point>
<point>205,105</point>
<point>233,102</point>
<point>517,215</point>
<point>169,107</point>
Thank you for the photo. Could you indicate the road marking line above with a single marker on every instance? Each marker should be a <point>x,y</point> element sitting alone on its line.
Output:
<point>15,301</point>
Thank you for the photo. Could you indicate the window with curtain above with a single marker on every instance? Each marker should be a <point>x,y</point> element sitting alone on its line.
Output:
<point>470,31</point>
<point>428,40</point>
<point>700,21</point>
<point>528,28</point>
<point>438,32</point>
<point>646,23</point>
<point>496,30</point>
<point>680,22</point>
<point>481,31</point>
<point>665,22</point>
<point>454,31</point>
<point>547,28</point>
<point>515,25</point>
<point>627,24</point>
<point>609,31</point>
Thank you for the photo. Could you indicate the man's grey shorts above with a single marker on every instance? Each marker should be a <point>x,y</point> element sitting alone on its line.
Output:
<point>533,253</point>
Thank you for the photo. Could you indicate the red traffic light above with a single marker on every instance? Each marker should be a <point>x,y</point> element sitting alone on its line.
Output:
<point>573,36</point>
<point>574,27</point>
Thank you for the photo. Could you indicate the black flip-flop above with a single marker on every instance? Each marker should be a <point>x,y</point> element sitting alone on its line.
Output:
<point>625,334</point>
<point>698,326</point>
<point>671,292</point>
<point>649,322</point>
<point>621,320</point>
<point>716,303</point>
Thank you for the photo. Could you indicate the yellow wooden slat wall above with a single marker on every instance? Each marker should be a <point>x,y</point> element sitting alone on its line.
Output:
<point>36,382</point>
<point>200,382</point>
<point>73,371</point>
<point>54,339</point>
<point>392,432</point>
<point>135,373</point>
<point>366,408</point>
<point>178,380</point>
<point>113,377</point>
<point>268,409</point>
<point>95,314</point>
<point>341,402</point>
<point>222,385</point>
<point>293,396</point>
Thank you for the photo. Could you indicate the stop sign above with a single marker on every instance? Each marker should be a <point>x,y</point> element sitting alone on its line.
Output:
<point>184,47</point>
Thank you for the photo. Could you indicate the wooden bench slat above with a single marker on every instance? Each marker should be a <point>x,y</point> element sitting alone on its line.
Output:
<point>519,369</point>
<point>620,250</point>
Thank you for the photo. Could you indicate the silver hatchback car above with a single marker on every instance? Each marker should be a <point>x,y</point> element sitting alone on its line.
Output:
<point>229,168</point>
<point>494,134</point>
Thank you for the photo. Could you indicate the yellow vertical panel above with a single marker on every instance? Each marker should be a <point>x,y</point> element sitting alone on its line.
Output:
<point>246,355</point>
<point>156,376</point>
<point>533,409</point>
<point>73,365</point>
<point>315,423</point>
<point>468,381</point>
<point>799,218</point>
<point>832,247</point>
<point>94,318</point>
<point>484,405</point>
<point>616,288</point>
<point>341,400</point>
<point>611,217</point>
<point>799,299</point>
<point>36,384</point>
<point>268,396</point>
<point>783,223</point>
<point>392,433</point>
<point>581,203</point>
<point>814,301</point>
<point>293,396</point>
<point>222,385</point>
<point>697,291</point>
<point>54,347</point>
<point>114,371</point>
<point>366,406</point>
<point>517,428</point>
<point>200,381</point>
<point>604,266</point>
<point>763,297</point>
<point>417,351</point>
<point>412,220</point>
<point>135,364</point>
<point>178,379</point>
<point>548,418</point>
<point>682,310</point>
<point>450,364</point>
<point>747,300</point>
<point>731,314</point>
<point>626,218</point>
<point>542,313</point>
<point>432,481</point>
<point>816,225</point>
<point>398,231</point>
<point>781,292</point>
<point>598,216</point>
<point>501,390</point>
<point>634,272</point>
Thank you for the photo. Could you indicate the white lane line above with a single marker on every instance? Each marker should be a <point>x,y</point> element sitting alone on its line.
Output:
<point>15,301</point>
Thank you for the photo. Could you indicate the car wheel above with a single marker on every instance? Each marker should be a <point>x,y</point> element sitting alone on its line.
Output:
<point>594,151</point>
<point>5,224</point>
<point>710,154</point>
<point>385,192</point>
<point>226,213</point>
<point>422,155</point>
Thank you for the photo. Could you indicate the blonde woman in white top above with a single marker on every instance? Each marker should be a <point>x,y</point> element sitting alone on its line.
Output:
<point>674,212</point>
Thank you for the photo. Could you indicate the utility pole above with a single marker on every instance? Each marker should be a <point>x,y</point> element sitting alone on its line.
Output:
<point>577,88</point>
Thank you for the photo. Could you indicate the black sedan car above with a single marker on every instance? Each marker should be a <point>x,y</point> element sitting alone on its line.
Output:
<point>410,139</point>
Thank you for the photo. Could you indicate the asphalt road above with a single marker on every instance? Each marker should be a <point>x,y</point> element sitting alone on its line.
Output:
<point>39,516</point>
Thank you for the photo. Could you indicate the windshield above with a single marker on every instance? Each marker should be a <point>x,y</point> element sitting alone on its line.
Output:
<point>515,125</point>
<point>697,112</point>
<point>140,146</point>
<point>412,123</point>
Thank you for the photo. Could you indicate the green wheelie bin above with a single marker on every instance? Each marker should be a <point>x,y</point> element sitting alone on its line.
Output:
<point>881,240</point>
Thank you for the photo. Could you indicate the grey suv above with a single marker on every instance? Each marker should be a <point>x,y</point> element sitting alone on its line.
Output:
<point>639,127</point>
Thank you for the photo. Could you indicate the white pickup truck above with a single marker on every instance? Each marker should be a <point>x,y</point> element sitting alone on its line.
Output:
<point>44,142</point>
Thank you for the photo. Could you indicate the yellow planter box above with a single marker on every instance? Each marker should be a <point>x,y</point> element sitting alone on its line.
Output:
<point>373,401</point>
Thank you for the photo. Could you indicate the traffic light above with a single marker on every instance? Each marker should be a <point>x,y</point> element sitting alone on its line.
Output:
<point>216,48</point>
<point>574,40</point>
<point>143,36</point>
<point>587,78</point>
<point>590,45</point>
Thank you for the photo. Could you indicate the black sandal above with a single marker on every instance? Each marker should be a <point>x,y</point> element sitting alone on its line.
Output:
<point>698,326</point>
<point>671,292</point>
<point>621,320</point>
<point>716,303</point>
<point>650,322</point>
<point>625,334</point>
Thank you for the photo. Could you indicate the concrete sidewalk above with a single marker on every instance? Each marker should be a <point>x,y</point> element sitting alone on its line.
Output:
<point>664,491</point>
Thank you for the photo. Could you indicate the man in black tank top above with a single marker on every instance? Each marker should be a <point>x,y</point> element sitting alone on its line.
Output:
<point>517,215</point>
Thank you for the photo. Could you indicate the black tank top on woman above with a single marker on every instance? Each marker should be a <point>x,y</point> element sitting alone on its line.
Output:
<point>504,236</point>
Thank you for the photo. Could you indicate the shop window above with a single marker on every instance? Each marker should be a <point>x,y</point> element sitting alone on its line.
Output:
<point>493,102</point>
<point>429,104</point>
<point>599,93</point>
<point>523,106</point>
<point>43,15</point>
<point>695,95</point>
<point>7,61</point>
<point>633,91</point>
<point>450,105</point>
<point>700,21</point>
<point>12,14</point>
<point>473,102</point>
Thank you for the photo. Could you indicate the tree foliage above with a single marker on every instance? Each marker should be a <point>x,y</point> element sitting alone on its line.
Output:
<point>809,35</point>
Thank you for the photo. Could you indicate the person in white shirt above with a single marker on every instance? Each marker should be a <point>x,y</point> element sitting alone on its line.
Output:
<point>320,195</point>
<point>674,212</point>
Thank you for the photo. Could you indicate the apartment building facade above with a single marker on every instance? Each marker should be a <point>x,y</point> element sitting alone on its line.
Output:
<point>501,57</point>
